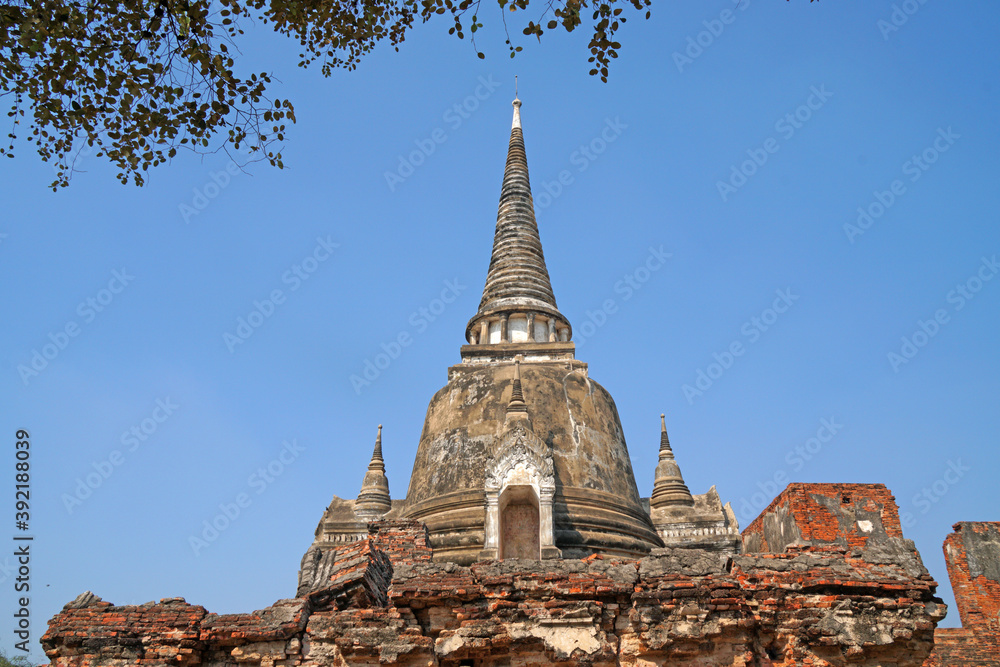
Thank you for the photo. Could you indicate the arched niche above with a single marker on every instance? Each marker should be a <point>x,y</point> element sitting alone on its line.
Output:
<point>519,523</point>
<point>520,486</point>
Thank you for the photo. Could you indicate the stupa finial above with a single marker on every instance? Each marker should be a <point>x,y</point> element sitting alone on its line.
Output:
<point>517,108</point>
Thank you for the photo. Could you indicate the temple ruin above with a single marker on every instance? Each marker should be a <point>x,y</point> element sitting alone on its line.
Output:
<point>524,540</point>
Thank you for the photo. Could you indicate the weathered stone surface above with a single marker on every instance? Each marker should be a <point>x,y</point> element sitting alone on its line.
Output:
<point>692,562</point>
<point>705,524</point>
<point>597,506</point>
<point>82,601</point>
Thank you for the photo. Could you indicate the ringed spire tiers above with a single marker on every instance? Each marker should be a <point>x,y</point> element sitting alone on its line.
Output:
<point>669,487</point>
<point>374,500</point>
<point>518,305</point>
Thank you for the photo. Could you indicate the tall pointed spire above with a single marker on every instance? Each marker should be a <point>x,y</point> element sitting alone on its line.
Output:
<point>669,487</point>
<point>374,500</point>
<point>517,283</point>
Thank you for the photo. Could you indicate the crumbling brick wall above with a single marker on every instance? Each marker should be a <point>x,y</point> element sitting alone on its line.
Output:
<point>403,540</point>
<point>94,632</point>
<point>972,554</point>
<point>846,514</point>
<point>844,597</point>
<point>811,605</point>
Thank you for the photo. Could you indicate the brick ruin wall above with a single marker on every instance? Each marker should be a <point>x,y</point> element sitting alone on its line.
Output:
<point>847,597</point>
<point>972,553</point>
<point>847,514</point>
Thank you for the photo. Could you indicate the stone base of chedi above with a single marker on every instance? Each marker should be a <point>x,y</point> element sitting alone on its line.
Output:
<point>852,593</point>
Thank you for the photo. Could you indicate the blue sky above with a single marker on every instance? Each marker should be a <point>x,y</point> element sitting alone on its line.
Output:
<point>821,110</point>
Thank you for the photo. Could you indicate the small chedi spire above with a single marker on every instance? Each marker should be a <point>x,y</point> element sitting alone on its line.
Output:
<point>374,500</point>
<point>517,407</point>
<point>669,487</point>
<point>518,305</point>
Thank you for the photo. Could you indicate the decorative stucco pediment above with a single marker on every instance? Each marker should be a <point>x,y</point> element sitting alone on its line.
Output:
<point>520,457</point>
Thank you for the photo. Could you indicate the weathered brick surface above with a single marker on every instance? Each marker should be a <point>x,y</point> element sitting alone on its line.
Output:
<point>846,514</point>
<point>972,553</point>
<point>361,568</point>
<point>958,647</point>
<point>282,620</point>
<point>402,540</point>
<point>818,605</point>
<point>812,606</point>
<point>359,578</point>
<point>90,632</point>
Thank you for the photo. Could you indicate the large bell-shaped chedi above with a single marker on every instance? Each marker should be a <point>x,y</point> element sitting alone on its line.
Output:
<point>522,455</point>
<point>535,467</point>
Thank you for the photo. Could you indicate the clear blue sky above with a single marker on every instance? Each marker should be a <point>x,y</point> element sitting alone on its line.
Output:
<point>661,138</point>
